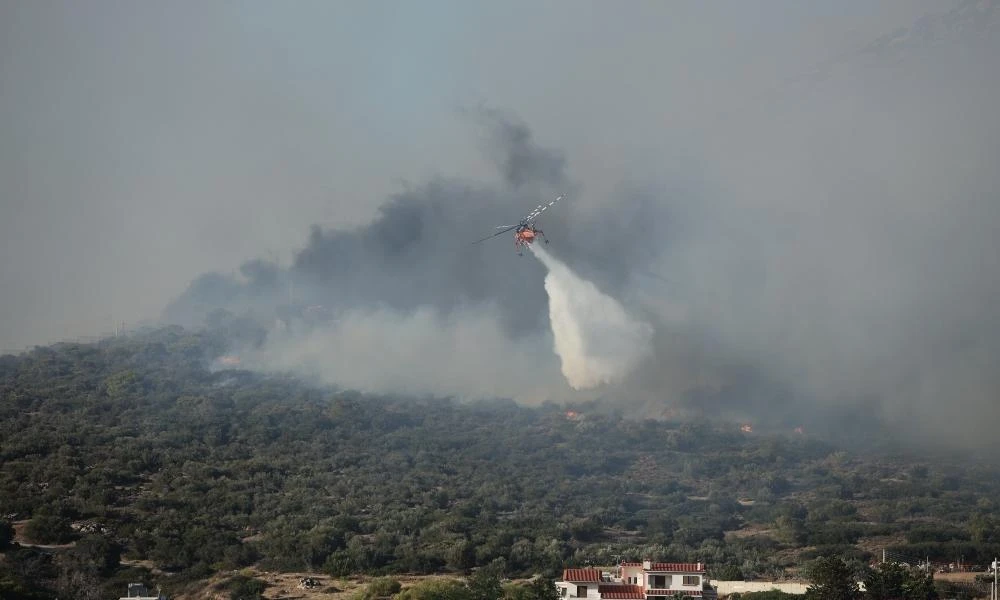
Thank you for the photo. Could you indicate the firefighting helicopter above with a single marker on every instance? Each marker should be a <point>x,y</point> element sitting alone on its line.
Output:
<point>525,231</point>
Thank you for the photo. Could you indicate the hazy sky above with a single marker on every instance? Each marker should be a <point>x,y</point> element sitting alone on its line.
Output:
<point>800,198</point>
<point>142,144</point>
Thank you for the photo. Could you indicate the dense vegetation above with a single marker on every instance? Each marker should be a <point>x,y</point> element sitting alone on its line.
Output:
<point>134,450</point>
<point>835,579</point>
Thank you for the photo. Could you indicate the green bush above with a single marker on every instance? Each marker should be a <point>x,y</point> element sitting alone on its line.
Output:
<point>380,587</point>
<point>242,587</point>
<point>437,589</point>
<point>48,529</point>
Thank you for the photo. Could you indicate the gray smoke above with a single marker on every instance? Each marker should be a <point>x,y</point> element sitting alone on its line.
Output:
<point>416,253</point>
<point>464,353</point>
<point>823,254</point>
<point>518,159</point>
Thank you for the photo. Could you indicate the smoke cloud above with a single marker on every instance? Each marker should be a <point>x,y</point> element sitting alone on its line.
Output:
<point>810,246</point>
<point>812,262</point>
<point>597,342</point>
<point>465,353</point>
<point>404,304</point>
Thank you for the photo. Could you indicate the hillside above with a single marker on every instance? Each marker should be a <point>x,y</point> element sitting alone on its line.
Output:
<point>133,455</point>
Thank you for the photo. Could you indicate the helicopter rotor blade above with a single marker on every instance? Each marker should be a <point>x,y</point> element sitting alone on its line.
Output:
<point>534,214</point>
<point>495,234</point>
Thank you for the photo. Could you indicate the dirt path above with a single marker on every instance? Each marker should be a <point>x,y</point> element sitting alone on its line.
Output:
<point>20,539</point>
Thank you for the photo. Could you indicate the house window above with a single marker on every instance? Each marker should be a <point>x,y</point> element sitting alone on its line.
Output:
<point>658,582</point>
<point>691,580</point>
<point>581,591</point>
<point>563,591</point>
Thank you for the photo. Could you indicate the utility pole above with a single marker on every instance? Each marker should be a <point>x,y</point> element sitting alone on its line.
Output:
<point>994,578</point>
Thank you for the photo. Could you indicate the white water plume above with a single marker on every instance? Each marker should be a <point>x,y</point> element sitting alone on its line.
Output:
<point>596,340</point>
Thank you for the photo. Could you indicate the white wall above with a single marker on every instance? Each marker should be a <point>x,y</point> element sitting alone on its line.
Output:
<point>633,572</point>
<point>724,588</point>
<point>572,588</point>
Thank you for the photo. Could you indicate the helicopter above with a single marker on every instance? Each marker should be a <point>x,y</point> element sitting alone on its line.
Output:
<point>525,231</point>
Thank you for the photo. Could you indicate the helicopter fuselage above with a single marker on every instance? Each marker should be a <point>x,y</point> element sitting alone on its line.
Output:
<point>525,234</point>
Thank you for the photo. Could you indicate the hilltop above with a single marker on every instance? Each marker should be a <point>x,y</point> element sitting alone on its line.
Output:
<point>134,455</point>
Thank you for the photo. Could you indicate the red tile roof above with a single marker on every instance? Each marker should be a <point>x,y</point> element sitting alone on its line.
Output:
<point>678,567</point>
<point>621,592</point>
<point>582,575</point>
<point>672,567</point>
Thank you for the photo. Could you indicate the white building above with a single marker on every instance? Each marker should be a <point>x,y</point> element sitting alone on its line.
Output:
<point>637,581</point>
<point>138,591</point>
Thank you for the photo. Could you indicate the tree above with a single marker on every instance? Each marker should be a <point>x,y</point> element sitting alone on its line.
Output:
<point>98,552</point>
<point>6,534</point>
<point>461,556</point>
<point>885,582</point>
<point>242,587</point>
<point>920,586</point>
<point>832,579</point>
<point>891,581</point>
<point>485,582</point>
<point>539,588</point>
<point>48,529</point>
<point>339,564</point>
<point>729,573</point>
<point>74,582</point>
<point>790,529</point>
